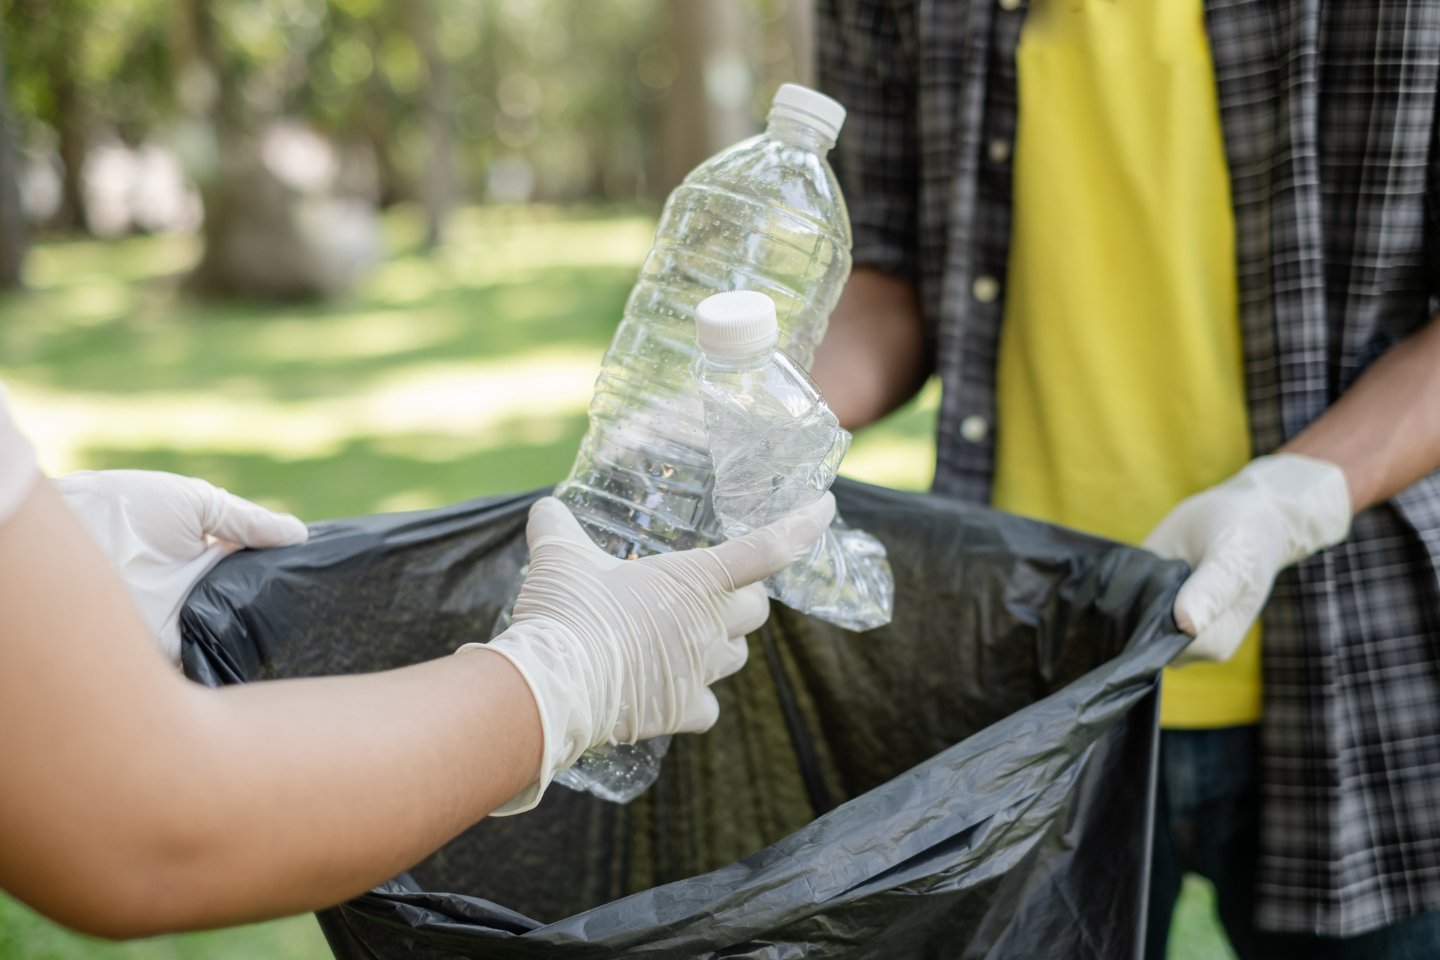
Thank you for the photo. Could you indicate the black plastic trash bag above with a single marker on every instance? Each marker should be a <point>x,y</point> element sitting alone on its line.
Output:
<point>974,780</point>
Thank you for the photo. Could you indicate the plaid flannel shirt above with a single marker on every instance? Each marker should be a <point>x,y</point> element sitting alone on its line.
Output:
<point>1329,117</point>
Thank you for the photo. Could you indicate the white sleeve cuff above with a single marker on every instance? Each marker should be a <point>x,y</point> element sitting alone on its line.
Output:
<point>19,470</point>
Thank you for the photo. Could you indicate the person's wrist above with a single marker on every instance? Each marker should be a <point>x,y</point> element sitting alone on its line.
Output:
<point>545,659</point>
<point>516,762</point>
<point>529,795</point>
<point>499,671</point>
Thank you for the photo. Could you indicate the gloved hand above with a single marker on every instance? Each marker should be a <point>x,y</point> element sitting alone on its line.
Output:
<point>1239,535</point>
<point>163,532</point>
<point>616,651</point>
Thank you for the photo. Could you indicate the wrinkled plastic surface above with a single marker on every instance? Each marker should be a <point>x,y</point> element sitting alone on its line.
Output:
<point>973,780</point>
<point>777,446</point>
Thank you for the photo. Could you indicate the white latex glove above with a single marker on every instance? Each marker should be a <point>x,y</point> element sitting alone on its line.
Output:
<point>163,532</point>
<point>1239,535</point>
<point>616,651</point>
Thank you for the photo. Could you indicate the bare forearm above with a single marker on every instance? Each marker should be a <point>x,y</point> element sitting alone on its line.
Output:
<point>1385,431</point>
<point>137,802</point>
<point>873,357</point>
<point>324,788</point>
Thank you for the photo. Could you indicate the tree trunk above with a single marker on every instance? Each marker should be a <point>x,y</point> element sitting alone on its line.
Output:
<point>437,181</point>
<point>255,247</point>
<point>13,239</point>
<point>800,31</point>
<point>72,126</point>
<point>709,104</point>
<point>377,134</point>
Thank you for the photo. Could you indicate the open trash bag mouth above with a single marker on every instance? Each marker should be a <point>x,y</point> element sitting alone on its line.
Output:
<point>975,779</point>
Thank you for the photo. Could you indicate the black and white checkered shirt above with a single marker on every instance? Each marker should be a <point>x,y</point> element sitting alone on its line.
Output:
<point>1329,116</point>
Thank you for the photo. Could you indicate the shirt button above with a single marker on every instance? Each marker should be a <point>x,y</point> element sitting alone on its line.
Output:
<point>999,150</point>
<point>974,428</point>
<point>985,289</point>
<point>1009,4</point>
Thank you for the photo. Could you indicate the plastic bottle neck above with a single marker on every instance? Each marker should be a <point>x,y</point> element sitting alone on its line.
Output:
<point>748,361</point>
<point>792,131</point>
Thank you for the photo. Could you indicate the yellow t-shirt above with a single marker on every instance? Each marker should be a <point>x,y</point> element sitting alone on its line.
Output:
<point>1121,384</point>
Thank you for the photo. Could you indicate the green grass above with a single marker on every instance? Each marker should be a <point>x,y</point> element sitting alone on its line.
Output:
<point>1195,934</point>
<point>444,377</point>
<point>25,935</point>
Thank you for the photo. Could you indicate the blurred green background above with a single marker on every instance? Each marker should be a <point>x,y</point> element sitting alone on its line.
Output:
<point>343,256</point>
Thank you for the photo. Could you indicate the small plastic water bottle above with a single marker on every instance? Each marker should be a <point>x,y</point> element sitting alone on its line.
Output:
<point>776,447</point>
<point>766,214</point>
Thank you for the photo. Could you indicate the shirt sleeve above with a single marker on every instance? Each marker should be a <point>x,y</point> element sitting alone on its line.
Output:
<point>1432,209</point>
<point>18,468</point>
<point>862,62</point>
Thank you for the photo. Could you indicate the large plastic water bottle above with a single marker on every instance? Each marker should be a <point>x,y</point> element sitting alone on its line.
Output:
<point>766,214</point>
<point>776,446</point>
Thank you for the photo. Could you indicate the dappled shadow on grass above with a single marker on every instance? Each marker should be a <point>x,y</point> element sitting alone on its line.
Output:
<point>309,351</point>
<point>368,475</point>
<point>109,317</point>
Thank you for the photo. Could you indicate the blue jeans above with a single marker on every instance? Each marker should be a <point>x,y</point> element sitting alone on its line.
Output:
<point>1207,822</point>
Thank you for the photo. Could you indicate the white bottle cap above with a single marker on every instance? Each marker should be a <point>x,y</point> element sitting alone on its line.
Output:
<point>740,323</point>
<point>810,107</point>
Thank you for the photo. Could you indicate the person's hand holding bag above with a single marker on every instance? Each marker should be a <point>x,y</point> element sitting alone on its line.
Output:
<point>1239,535</point>
<point>616,651</point>
<point>163,532</point>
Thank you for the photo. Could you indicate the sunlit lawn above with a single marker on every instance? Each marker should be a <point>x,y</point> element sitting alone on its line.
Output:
<point>444,377</point>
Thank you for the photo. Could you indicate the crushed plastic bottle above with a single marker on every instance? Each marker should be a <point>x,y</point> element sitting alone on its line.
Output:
<point>776,446</point>
<point>766,214</point>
